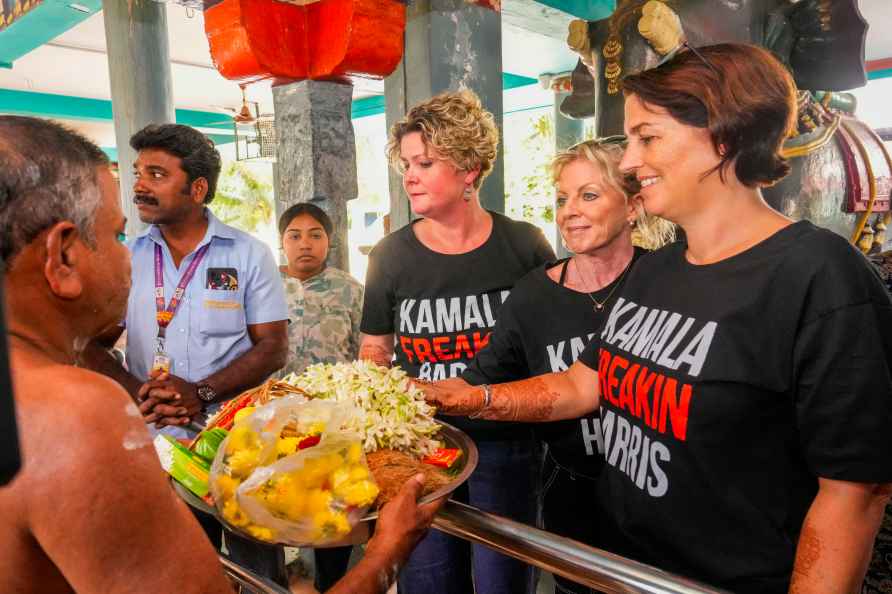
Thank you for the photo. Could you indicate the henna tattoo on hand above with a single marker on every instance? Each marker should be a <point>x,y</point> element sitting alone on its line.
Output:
<point>375,354</point>
<point>525,400</point>
<point>448,401</point>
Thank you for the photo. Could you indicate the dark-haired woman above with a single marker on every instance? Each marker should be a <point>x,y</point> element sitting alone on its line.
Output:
<point>325,307</point>
<point>743,376</point>
<point>554,310</point>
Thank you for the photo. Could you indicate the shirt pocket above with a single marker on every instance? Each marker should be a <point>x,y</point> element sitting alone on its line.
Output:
<point>222,313</point>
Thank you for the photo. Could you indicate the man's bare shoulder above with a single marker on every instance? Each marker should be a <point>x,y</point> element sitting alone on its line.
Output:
<point>91,481</point>
<point>64,402</point>
<point>73,420</point>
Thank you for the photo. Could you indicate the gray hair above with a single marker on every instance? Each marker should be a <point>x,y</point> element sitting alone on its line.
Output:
<point>47,175</point>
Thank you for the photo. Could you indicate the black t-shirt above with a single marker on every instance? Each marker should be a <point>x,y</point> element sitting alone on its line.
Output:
<point>727,389</point>
<point>542,328</point>
<point>441,308</point>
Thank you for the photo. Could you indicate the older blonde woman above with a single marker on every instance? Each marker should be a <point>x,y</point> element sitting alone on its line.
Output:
<point>434,289</point>
<point>554,310</point>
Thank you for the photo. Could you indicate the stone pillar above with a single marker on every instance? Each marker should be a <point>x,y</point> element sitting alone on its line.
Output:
<point>449,45</point>
<point>567,132</point>
<point>141,87</point>
<point>316,153</point>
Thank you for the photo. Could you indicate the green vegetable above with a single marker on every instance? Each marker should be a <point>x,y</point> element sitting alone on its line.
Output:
<point>209,442</point>
<point>183,465</point>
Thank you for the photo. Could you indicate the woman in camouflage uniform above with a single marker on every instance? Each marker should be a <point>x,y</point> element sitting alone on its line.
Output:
<point>324,306</point>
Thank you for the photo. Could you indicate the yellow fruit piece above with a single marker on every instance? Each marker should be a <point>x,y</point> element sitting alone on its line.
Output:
<point>330,524</point>
<point>261,533</point>
<point>243,462</point>
<point>339,477</point>
<point>359,494</point>
<point>318,501</point>
<point>285,446</point>
<point>359,473</point>
<point>233,514</point>
<point>227,486</point>
<point>242,438</point>
<point>354,453</point>
<point>316,471</point>
<point>243,414</point>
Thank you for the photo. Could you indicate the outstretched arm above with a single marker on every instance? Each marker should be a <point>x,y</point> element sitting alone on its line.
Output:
<point>401,525</point>
<point>550,397</point>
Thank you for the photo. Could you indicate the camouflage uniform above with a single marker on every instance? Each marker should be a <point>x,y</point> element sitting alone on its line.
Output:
<point>325,311</point>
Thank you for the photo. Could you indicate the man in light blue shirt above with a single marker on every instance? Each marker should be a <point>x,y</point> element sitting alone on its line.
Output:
<point>228,330</point>
<point>235,287</point>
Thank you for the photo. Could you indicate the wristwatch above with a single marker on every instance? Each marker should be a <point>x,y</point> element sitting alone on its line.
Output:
<point>205,393</point>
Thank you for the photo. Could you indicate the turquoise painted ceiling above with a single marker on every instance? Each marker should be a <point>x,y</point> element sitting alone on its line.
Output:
<point>57,54</point>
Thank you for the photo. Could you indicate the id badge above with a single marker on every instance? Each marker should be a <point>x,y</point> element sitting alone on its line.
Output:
<point>161,362</point>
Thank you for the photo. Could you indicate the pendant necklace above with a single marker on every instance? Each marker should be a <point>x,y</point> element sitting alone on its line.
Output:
<point>599,305</point>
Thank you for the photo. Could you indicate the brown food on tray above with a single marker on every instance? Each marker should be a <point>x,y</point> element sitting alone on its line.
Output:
<point>392,469</point>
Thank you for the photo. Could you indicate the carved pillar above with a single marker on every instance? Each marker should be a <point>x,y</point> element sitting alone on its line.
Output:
<point>316,153</point>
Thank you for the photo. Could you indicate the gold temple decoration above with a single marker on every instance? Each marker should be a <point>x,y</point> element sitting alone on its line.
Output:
<point>612,51</point>
<point>879,236</point>
<point>661,27</point>
<point>579,41</point>
<point>866,240</point>
<point>626,10</point>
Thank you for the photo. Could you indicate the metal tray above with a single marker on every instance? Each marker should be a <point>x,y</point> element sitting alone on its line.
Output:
<point>449,435</point>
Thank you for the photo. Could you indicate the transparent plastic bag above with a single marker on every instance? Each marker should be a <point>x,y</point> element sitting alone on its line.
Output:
<point>291,474</point>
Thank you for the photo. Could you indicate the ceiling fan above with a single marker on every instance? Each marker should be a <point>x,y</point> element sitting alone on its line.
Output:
<point>243,115</point>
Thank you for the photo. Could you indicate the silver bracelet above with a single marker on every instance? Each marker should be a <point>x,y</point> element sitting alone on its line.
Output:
<point>487,400</point>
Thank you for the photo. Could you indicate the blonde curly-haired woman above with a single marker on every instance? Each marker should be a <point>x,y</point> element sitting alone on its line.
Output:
<point>433,290</point>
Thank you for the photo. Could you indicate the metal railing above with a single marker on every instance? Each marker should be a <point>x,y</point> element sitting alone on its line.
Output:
<point>248,579</point>
<point>573,560</point>
<point>581,563</point>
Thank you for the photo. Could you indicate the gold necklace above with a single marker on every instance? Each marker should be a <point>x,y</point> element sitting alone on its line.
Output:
<point>600,305</point>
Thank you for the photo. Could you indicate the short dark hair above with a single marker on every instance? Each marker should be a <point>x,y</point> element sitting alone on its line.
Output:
<point>195,150</point>
<point>307,208</point>
<point>741,93</point>
<point>47,175</point>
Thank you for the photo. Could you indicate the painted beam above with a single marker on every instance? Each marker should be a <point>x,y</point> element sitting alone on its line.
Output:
<point>512,81</point>
<point>877,69</point>
<point>367,106</point>
<point>67,107</point>
<point>41,24</point>
<point>590,10</point>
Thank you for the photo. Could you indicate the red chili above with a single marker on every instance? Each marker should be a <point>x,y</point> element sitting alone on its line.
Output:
<point>308,442</point>
<point>444,457</point>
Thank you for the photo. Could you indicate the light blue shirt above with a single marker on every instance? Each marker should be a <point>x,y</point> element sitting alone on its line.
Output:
<point>210,327</point>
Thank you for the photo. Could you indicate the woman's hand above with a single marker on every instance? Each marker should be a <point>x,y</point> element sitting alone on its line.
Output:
<point>376,348</point>
<point>454,396</point>
<point>550,397</point>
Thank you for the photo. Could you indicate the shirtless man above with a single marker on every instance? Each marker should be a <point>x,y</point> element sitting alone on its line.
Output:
<point>91,510</point>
